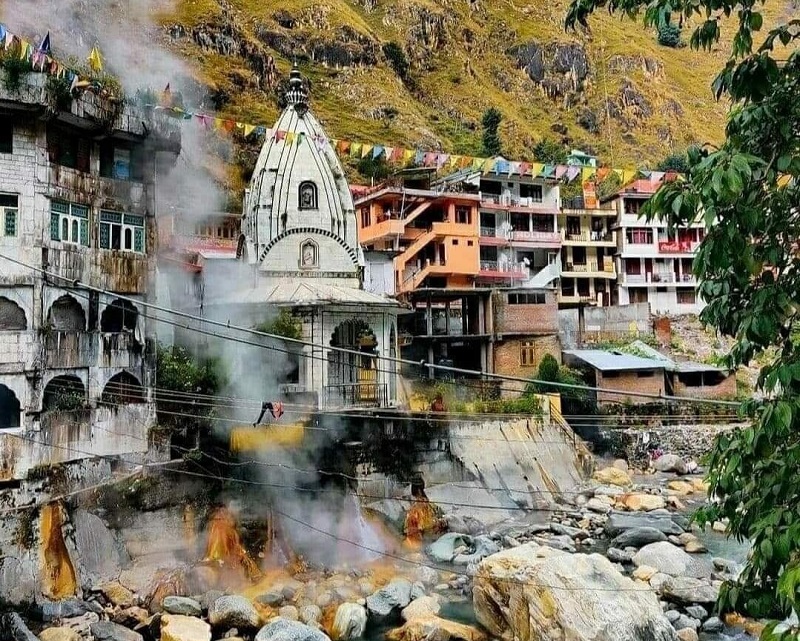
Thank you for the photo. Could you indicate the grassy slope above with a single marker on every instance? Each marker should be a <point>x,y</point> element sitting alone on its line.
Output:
<point>446,112</point>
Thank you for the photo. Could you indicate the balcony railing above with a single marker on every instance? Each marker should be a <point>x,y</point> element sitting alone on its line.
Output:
<point>519,270</point>
<point>489,231</point>
<point>635,278</point>
<point>509,200</point>
<point>591,266</point>
<point>589,237</point>
<point>355,395</point>
<point>658,277</point>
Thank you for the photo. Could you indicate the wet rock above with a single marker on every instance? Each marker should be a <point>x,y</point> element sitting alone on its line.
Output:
<point>535,592</point>
<point>395,595</point>
<point>638,537</point>
<point>427,575</point>
<point>233,612</point>
<point>59,634</point>
<point>282,630</point>
<point>697,612</point>
<point>613,476</point>
<point>464,523</point>
<point>47,611</point>
<point>434,628</point>
<point>349,623</point>
<point>713,625</point>
<point>621,521</point>
<point>643,502</point>
<point>461,549</point>
<point>672,560</point>
<point>272,598</point>
<point>310,614</point>
<point>572,532</point>
<point>669,463</point>
<point>182,605</point>
<point>13,628</point>
<point>425,606</point>
<point>107,631</point>
<point>596,505</point>
<point>289,612</point>
<point>683,621</point>
<point>615,555</point>
<point>684,589</point>
<point>687,634</point>
<point>176,627</point>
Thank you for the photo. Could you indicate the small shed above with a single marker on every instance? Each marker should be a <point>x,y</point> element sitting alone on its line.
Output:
<point>620,372</point>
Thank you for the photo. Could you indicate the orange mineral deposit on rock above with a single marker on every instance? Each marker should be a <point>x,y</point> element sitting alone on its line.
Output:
<point>422,519</point>
<point>58,573</point>
<point>225,546</point>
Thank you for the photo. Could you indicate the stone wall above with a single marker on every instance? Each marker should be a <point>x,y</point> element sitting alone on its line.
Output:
<point>604,323</point>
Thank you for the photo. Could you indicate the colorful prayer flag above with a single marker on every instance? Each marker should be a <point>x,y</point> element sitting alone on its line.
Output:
<point>95,59</point>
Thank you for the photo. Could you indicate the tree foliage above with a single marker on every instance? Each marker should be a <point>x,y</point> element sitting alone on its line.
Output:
<point>284,324</point>
<point>675,161</point>
<point>549,151</point>
<point>374,168</point>
<point>397,59</point>
<point>491,138</point>
<point>669,35</point>
<point>748,194</point>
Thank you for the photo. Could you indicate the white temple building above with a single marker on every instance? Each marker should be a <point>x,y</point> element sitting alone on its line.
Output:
<point>299,237</point>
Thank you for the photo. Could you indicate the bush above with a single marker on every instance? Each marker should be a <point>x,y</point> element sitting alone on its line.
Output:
<point>548,368</point>
<point>491,138</point>
<point>375,168</point>
<point>397,59</point>
<point>14,69</point>
<point>284,324</point>
<point>549,151</point>
<point>669,35</point>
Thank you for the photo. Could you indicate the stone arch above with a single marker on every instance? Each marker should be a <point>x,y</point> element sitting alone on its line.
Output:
<point>308,230</point>
<point>309,254</point>
<point>10,408</point>
<point>12,316</point>
<point>353,377</point>
<point>119,316</point>
<point>123,389</point>
<point>307,195</point>
<point>65,392</point>
<point>66,315</point>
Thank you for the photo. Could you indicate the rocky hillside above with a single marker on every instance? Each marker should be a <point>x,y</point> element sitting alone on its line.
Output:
<point>616,91</point>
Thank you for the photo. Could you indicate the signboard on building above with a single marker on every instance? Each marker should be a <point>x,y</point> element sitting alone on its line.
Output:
<point>675,246</point>
<point>590,196</point>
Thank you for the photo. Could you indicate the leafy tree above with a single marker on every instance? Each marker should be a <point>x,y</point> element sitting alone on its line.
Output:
<point>669,35</point>
<point>397,59</point>
<point>491,138</point>
<point>609,185</point>
<point>548,368</point>
<point>549,151</point>
<point>674,162</point>
<point>375,168</point>
<point>748,194</point>
<point>284,324</point>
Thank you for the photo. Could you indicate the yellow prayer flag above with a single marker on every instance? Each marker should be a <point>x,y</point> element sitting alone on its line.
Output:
<point>628,175</point>
<point>408,155</point>
<point>217,124</point>
<point>536,168</point>
<point>23,49</point>
<point>95,59</point>
<point>366,150</point>
<point>290,137</point>
<point>454,161</point>
<point>355,150</point>
<point>587,173</point>
<point>248,129</point>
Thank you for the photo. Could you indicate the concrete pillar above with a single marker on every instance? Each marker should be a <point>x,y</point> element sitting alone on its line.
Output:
<point>481,319</point>
<point>447,318</point>
<point>428,318</point>
<point>484,357</point>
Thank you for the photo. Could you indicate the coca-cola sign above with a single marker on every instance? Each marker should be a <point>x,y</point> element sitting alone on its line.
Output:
<point>675,246</point>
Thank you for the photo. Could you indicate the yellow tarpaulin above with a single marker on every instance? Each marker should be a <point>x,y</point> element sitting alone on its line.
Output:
<point>253,439</point>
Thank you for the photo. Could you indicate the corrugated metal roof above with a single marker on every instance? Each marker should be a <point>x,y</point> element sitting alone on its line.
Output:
<point>611,362</point>
<point>312,294</point>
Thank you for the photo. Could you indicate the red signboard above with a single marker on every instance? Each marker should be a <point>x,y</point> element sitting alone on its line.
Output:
<point>590,196</point>
<point>675,247</point>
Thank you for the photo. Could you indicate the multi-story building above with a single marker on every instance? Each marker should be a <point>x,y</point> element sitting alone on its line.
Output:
<point>589,242</point>
<point>76,200</point>
<point>654,263</point>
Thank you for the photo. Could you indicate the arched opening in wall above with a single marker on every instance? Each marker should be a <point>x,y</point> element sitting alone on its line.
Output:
<point>123,389</point>
<point>307,195</point>
<point>119,316</point>
<point>12,316</point>
<point>66,315</point>
<point>64,393</point>
<point>353,377</point>
<point>10,408</point>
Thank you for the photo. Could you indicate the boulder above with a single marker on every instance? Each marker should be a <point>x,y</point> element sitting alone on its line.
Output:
<point>683,488</point>
<point>182,605</point>
<point>615,555</point>
<point>530,593</point>
<point>621,521</point>
<point>713,625</point>
<point>272,598</point>
<point>640,502</point>
<point>82,624</point>
<point>608,491</point>
<point>107,631</point>
<point>644,573</point>
<point>282,630</point>
<point>349,623</point>
<point>233,612</point>
<point>59,634</point>
<point>700,486</point>
<point>131,617</point>
<point>13,628</point>
<point>687,634</point>
<point>433,628</point>
<point>613,476</point>
<point>395,595</point>
<point>309,614</point>
<point>695,547</point>
<point>670,559</point>
<point>177,627</point>
<point>596,505</point>
<point>620,464</point>
<point>684,589</point>
<point>426,606</point>
<point>670,463</point>
<point>697,612</point>
<point>638,537</point>
<point>461,549</point>
<point>289,612</point>
<point>47,611</point>
<point>392,510</point>
<point>427,576</point>
<point>118,594</point>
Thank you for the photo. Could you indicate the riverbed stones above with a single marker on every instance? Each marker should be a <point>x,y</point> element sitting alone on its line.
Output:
<point>682,488</point>
<point>670,463</point>
<point>713,625</point>
<point>182,605</point>
<point>684,589</point>
<point>621,521</point>
<point>310,614</point>
<point>670,559</point>
<point>59,634</point>
<point>107,631</point>
<point>232,611</point>
<point>532,592</point>
<point>394,595</point>
<point>697,612</point>
<point>289,612</point>
<point>349,623</point>
<point>687,634</point>
<point>425,606</point>
<point>638,537</point>
<point>435,628</point>
<point>177,627</point>
<point>615,555</point>
<point>595,504</point>
<point>279,629</point>
<point>644,573</point>
<point>613,476</point>
<point>641,502</point>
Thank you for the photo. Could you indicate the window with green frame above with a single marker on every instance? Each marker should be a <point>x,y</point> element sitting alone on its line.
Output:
<point>9,213</point>
<point>123,232</point>
<point>69,223</point>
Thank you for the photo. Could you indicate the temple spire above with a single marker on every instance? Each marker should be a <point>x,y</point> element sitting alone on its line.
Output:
<point>297,94</point>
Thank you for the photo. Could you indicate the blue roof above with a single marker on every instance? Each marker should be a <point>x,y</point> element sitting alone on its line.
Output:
<point>613,361</point>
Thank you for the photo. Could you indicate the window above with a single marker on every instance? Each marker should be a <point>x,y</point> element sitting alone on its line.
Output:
<point>463,215</point>
<point>611,374</point>
<point>365,216</point>
<point>69,223</point>
<point>579,255</point>
<point>67,149</point>
<point>633,206</point>
<point>533,298</point>
<point>534,192</point>
<point>121,161</point>
<point>639,235</point>
<point>6,136</point>
<point>9,212</point>
<point>470,243</point>
<point>307,195</point>
<point>638,295</point>
<point>687,297</point>
<point>527,354</point>
<point>455,241</point>
<point>647,374</point>
<point>124,232</point>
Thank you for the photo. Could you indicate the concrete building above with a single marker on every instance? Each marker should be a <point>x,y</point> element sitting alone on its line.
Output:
<point>300,241</point>
<point>77,194</point>
<point>654,264</point>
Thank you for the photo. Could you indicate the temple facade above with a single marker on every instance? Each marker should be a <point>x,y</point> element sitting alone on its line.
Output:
<point>300,241</point>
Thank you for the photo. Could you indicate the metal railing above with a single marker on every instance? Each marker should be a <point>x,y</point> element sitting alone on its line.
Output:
<point>355,395</point>
<point>589,237</point>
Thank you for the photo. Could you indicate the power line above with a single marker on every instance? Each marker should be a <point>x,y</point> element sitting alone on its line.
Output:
<point>393,359</point>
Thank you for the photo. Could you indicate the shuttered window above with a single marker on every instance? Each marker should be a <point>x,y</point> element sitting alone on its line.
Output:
<point>123,232</point>
<point>9,212</point>
<point>69,223</point>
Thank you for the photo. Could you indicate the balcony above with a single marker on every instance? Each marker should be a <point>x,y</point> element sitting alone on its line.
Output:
<point>495,269</point>
<point>497,236</point>
<point>592,269</point>
<point>598,238</point>
<point>349,395</point>
<point>511,202</point>
<point>657,278</point>
<point>577,207</point>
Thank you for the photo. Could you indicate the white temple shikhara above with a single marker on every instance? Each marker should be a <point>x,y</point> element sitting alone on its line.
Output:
<point>299,233</point>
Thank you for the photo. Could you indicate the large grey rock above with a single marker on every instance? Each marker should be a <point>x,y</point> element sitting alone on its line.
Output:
<point>530,593</point>
<point>394,595</point>
<point>233,612</point>
<point>461,549</point>
<point>392,510</point>
<point>713,625</point>
<point>280,629</point>
<point>637,537</point>
<point>102,556</point>
<point>309,614</point>
<point>670,559</point>
<point>18,577</point>
<point>670,463</point>
<point>615,555</point>
<point>697,612</point>
<point>620,521</point>
<point>686,589</point>
<point>182,605</point>
<point>107,631</point>
<point>349,623</point>
<point>13,628</point>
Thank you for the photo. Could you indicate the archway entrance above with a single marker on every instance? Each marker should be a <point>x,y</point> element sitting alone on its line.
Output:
<point>64,393</point>
<point>9,408</point>
<point>123,389</point>
<point>353,377</point>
